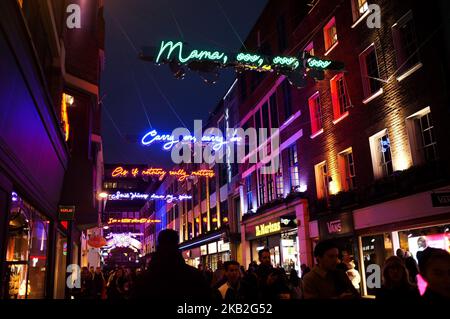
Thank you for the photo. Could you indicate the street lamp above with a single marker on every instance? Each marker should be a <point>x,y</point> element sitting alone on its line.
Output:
<point>103,195</point>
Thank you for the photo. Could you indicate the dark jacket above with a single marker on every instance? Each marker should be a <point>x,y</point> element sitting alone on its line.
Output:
<point>410,293</point>
<point>168,277</point>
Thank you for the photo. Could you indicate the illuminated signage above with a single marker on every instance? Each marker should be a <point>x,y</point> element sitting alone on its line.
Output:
<point>123,240</point>
<point>266,229</point>
<point>181,174</point>
<point>127,196</point>
<point>140,196</point>
<point>133,221</point>
<point>177,51</point>
<point>169,140</point>
<point>171,198</point>
<point>440,199</point>
<point>66,212</point>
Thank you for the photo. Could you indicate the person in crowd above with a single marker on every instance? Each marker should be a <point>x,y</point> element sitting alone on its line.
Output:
<point>263,271</point>
<point>434,265</point>
<point>130,279</point>
<point>396,284</point>
<point>400,253</point>
<point>86,283</point>
<point>305,269</point>
<point>295,285</point>
<point>98,284</point>
<point>413,268</point>
<point>233,289</point>
<point>168,276</point>
<point>324,281</point>
<point>218,275</point>
<point>277,287</point>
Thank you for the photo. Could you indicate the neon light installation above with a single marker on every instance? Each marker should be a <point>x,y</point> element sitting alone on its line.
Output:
<point>123,240</point>
<point>140,196</point>
<point>194,55</point>
<point>132,221</point>
<point>120,172</point>
<point>170,141</point>
<point>318,63</point>
<point>127,196</point>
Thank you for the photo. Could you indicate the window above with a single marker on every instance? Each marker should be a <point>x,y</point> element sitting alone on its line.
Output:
<point>248,183</point>
<point>330,35</point>
<point>315,113</point>
<point>293,167</point>
<point>347,170</point>
<point>310,48</point>
<point>405,43</point>
<point>261,188</point>
<point>274,111</point>
<point>359,8</point>
<point>281,30</point>
<point>203,190</point>
<point>287,99</point>
<point>369,71</point>
<point>422,137</point>
<point>279,183</point>
<point>270,189</point>
<point>322,180</point>
<point>380,147</point>
<point>341,100</point>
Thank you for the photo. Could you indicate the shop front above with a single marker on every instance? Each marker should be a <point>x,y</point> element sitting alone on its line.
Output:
<point>339,228</point>
<point>419,222</point>
<point>280,237</point>
<point>207,250</point>
<point>27,251</point>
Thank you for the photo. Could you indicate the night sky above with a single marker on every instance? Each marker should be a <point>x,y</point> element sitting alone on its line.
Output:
<point>129,84</point>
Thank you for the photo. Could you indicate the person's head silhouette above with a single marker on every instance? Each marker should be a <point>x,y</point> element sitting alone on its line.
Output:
<point>167,240</point>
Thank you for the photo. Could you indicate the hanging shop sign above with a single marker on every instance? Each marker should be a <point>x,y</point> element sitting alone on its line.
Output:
<point>97,241</point>
<point>440,199</point>
<point>66,213</point>
<point>336,226</point>
<point>142,196</point>
<point>287,222</point>
<point>132,221</point>
<point>178,54</point>
<point>181,174</point>
<point>217,141</point>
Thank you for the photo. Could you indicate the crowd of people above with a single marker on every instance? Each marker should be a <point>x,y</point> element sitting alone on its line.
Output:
<point>333,277</point>
<point>115,284</point>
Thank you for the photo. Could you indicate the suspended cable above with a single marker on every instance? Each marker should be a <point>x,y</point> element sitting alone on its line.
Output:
<point>141,101</point>
<point>149,75</point>
<point>229,22</point>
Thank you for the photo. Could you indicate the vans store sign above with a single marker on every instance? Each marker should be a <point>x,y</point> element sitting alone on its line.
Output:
<point>336,226</point>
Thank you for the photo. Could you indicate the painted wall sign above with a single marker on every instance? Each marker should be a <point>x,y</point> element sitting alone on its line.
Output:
<point>66,213</point>
<point>181,174</point>
<point>440,199</point>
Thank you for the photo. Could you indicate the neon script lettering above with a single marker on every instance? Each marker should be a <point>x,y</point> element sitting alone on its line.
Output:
<point>317,63</point>
<point>168,50</point>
